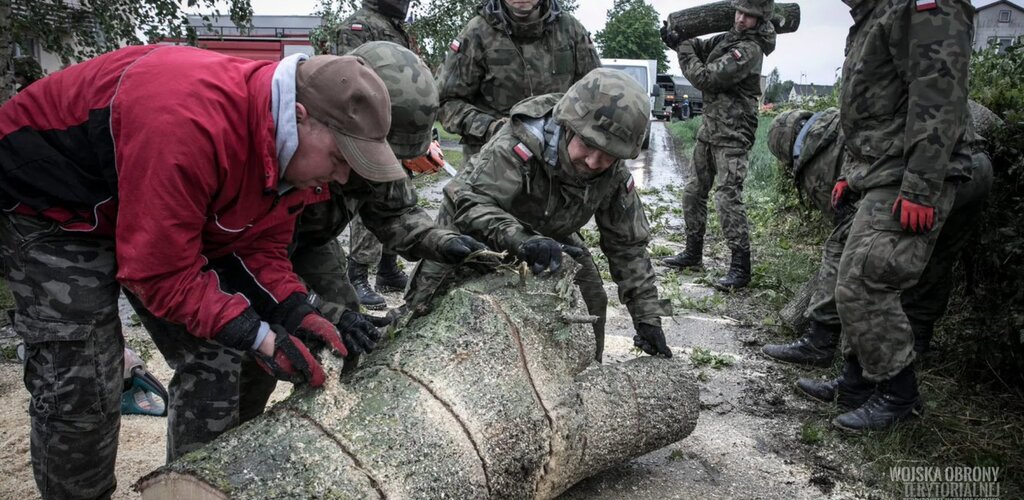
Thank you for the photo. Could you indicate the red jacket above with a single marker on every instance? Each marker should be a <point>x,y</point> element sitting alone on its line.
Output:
<point>170,150</point>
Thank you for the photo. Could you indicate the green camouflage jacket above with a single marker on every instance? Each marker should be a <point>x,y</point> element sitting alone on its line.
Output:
<point>509,193</point>
<point>389,211</point>
<point>904,95</point>
<point>727,69</point>
<point>368,25</point>
<point>820,146</point>
<point>495,63</point>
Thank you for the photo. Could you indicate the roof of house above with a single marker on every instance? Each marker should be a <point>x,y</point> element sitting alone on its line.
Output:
<point>812,90</point>
<point>999,2</point>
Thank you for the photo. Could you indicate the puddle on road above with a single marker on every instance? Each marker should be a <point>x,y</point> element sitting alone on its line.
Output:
<point>661,165</point>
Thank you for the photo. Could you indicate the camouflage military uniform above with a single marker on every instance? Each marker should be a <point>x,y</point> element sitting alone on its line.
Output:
<point>73,352</point>
<point>815,151</point>
<point>390,211</point>
<point>495,62</point>
<point>904,115</point>
<point>727,68</point>
<point>368,24</point>
<point>519,187</point>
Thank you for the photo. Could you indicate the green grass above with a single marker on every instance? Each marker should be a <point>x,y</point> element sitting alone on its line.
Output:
<point>445,135</point>
<point>6,301</point>
<point>703,357</point>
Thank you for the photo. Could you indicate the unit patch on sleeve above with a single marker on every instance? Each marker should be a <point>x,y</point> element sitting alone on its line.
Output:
<point>630,184</point>
<point>522,152</point>
<point>923,5</point>
<point>357,27</point>
<point>736,54</point>
<point>455,45</point>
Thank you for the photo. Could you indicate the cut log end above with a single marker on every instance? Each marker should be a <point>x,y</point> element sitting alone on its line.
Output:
<point>176,486</point>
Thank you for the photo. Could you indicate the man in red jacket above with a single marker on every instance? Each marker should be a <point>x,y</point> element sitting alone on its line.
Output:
<point>179,174</point>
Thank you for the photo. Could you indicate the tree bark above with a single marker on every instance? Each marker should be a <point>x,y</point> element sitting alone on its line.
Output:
<point>793,313</point>
<point>493,395</point>
<point>719,16</point>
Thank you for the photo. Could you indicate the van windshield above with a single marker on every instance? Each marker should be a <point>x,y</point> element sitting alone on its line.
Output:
<point>639,74</point>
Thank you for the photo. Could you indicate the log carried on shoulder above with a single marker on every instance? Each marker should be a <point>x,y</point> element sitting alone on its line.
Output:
<point>493,395</point>
<point>717,17</point>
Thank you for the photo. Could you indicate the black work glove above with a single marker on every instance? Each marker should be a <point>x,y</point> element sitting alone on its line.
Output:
<point>358,333</point>
<point>458,248</point>
<point>291,360</point>
<point>669,36</point>
<point>651,339</point>
<point>541,253</point>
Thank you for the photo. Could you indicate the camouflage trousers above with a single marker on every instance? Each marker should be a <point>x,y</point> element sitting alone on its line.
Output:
<point>324,270</point>
<point>889,278</point>
<point>724,168</point>
<point>925,302</point>
<point>364,247</point>
<point>65,296</point>
<point>214,388</point>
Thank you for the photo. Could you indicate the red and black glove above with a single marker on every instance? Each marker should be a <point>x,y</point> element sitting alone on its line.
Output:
<point>913,217</point>
<point>300,318</point>
<point>291,360</point>
<point>838,192</point>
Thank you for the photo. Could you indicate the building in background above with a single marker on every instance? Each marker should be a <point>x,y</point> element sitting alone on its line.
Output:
<point>807,94</point>
<point>1000,23</point>
<point>267,38</point>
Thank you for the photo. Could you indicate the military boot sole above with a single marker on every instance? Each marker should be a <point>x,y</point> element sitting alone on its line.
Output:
<point>917,411</point>
<point>696,267</point>
<point>730,287</point>
<point>797,358</point>
<point>803,388</point>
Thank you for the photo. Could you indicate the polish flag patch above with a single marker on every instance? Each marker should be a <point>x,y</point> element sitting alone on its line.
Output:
<point>455,45</point>
<point>357,27</point>
<point>630,185</point>
<point>923,5</point>
<point>522,152</point>
<point>736,54</point>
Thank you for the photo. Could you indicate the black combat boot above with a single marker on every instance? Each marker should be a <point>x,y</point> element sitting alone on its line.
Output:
<point>922,336</point>
<point>367,297</point>
<point>739,272</point>
<point>895,400</point>
<point>816,348</point>
<point>850,389</point>
<point>693,256</point>
<point>389,277</point>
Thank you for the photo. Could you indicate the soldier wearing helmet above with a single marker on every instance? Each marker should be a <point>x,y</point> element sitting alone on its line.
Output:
<point>512,50</point>
<point>812,147</point>
<point>727,68</point>
<point>532,187</point>
<point>377,20</point>
<point>389,209</point>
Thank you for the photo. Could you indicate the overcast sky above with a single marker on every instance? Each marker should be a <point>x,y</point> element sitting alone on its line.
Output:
<point>813,54</point>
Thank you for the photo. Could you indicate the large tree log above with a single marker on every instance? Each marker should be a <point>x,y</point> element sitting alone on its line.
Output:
<point>493,395</point>
<point>719,16</point>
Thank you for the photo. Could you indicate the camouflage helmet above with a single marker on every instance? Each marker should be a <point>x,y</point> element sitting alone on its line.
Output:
<point>783,131</point>
<point>396,9</point>
<point>28,68</point>
<point>760,8</point>
<point>609,110</point>
<point>414,100</point>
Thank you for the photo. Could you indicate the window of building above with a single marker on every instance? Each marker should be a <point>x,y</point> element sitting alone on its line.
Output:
<point>1002,43</point>
<point>1004,16</point>
<point>27,47</point>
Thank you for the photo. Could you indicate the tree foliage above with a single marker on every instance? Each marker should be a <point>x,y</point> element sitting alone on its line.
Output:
<point>998,262</point>
<point>632,33</point>
<point>78,29</point>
